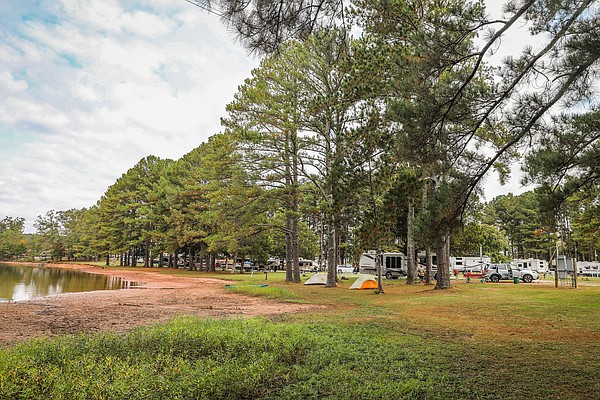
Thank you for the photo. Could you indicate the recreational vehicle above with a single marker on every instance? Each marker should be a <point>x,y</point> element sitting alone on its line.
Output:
<point>307,265</point>
<point>394,264</point>
<point>588,268</point>
<point>475,263</point>
<point>534,264</point>
<point>422,259</point>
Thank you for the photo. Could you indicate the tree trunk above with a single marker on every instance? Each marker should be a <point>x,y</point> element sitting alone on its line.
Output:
<point>336,240</point>
<point>147,255</point>
<point>133,253</point>
<point>331,271</point>
<point>443,260</point>
<point>379,266</point>
<point>242,262</point>
<point>295,206</point>
<point>191,263</point>
<point>429,265</point>
<point>289,274</point>
<point>295,249</point>
<point>213,262</point>
<point>410,245</point>
<point>322,255</point>
<point>234,263</point>
<point>107,260</point>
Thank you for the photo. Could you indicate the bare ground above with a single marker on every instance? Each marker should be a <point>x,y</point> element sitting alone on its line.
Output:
<point>160,298</point>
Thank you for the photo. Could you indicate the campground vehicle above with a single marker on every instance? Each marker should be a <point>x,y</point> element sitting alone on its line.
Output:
<point>534,264</point>
<point>273,264</point>
<point>344,269</point>
<point>588,268</point>
<point>394,264</point>
<point>590,273</point>
<point>307,265</point>
<point>461,264</point>
<point>422,258</point>
<point>498,272</point>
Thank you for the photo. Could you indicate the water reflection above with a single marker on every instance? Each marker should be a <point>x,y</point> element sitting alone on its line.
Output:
<point>24,283</point>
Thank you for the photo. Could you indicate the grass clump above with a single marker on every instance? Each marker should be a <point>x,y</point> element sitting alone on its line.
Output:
<point>269,292</point>
<point>220,359</point>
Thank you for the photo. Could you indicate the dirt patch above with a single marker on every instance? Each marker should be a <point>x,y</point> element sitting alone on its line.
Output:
<point>161,298</point>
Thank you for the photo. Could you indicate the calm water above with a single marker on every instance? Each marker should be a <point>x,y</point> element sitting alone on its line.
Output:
<point>19,283</point>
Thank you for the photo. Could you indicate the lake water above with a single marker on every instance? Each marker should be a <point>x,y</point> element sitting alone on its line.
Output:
<point>19,283</point>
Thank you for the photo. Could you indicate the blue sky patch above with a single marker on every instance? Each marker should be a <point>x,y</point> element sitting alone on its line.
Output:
<point>11,141</point>
<point>41,16</point>
<point>70,59</point>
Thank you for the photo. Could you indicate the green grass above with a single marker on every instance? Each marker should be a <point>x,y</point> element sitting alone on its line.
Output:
<point>473,341</point>
<point>270,292</point>
<point>237,359</point>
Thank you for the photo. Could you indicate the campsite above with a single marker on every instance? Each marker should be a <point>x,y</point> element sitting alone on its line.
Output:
<point>300,199</point>
<point>272,339</point>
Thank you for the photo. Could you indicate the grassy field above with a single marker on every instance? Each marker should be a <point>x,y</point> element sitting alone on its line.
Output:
<point>474,341</point>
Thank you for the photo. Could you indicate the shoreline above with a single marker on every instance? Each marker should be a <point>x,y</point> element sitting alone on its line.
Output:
<point>162,298</point>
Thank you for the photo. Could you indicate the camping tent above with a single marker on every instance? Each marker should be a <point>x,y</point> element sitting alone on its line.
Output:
<point>317,279</point>
<point>365,282</point>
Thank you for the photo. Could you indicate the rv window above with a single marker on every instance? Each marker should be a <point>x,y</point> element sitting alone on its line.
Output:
<point>393,262</point>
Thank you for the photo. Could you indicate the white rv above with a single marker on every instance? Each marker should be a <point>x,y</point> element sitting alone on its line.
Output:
<point>307,265</point>
<point>588,268</point>
<point>475,263</point>
<point>422,259</point>
<point>394,264</point>
<point>534,264</point>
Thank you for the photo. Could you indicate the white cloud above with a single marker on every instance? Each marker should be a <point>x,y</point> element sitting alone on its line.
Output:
<point>92,87</point>
<point>9,83</point>
<point>145,24</point>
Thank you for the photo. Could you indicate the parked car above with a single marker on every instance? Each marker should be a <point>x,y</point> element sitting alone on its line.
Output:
<point>498,272</point>
<point>345,269</point>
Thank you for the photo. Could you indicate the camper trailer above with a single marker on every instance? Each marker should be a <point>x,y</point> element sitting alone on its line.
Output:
<point>534,264</point>
<point>307,265</point>
<point>475,263</point>
<point>422,259</point>
<point>394,264</point>
<point>588,268</point>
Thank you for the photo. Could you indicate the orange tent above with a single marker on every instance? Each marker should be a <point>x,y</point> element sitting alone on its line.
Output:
<point>364,282</point>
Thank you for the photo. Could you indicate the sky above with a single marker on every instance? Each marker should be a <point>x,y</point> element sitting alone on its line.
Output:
<point>88,88</point>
